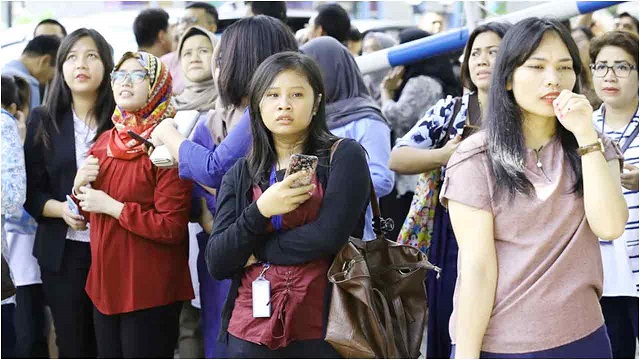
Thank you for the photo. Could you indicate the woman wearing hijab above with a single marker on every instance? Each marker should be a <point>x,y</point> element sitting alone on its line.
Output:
<point>351,113</point>
<point>375,41</point>
<point>195,54</point>
<point>139,274</point>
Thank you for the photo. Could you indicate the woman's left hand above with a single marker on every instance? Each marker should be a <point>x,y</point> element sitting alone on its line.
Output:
<point>574,112</point>
<point>97,201</point>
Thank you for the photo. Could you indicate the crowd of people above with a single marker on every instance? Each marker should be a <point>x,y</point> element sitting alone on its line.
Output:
<point>524,165</point>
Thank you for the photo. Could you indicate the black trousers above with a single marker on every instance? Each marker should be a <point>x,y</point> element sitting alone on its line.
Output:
<point>303,349</point>
<point>31,341</point>
<point>70,305</point>
<point>148,333</point>
<point>621,318</point>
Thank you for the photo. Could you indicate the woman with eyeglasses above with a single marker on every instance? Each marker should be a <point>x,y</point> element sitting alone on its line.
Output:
<point>58,137</point>
<point>138,213</point>
<point>614,57</point>
<point>528,199</point>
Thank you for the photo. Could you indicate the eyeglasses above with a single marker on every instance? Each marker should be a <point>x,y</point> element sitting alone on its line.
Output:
<point>621,70</point>
<point>136,76</point>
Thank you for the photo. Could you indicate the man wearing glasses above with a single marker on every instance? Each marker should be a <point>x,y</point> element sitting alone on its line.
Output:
<point>195,14</point>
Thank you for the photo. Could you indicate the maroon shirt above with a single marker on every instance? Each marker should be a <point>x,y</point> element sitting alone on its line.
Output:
<point>297,291</point>
<point>139,260</point>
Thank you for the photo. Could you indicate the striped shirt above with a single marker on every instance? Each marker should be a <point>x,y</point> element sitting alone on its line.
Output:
<point>617,272</point>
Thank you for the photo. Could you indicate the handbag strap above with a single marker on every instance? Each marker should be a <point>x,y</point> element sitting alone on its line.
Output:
<point>380,225</point>
<point>456,109</point>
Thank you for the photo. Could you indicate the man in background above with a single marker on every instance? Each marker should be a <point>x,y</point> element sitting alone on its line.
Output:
<point>151,29</point>
<point>50,27</point>
<point>36,65</point>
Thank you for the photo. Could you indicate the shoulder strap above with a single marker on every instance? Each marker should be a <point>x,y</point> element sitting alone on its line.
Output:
<point>379,224</point>
<point>456,109</point>
<point>630,139</point>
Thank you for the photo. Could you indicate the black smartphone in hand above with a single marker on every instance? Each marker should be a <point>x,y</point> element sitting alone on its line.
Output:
<point>141,139</point>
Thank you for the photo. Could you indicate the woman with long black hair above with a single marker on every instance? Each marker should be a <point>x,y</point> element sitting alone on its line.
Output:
<point>294,232</point>
<point>59,135</point>
<point>528,199</point>
<point>428,146</point>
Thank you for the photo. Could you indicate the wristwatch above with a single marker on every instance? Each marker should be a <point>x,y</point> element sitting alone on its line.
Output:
<point>596,146</point>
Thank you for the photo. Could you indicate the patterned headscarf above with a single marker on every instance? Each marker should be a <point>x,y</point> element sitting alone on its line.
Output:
<point>159,106</point>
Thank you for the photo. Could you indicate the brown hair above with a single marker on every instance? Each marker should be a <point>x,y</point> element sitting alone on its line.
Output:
<point>625,40</point>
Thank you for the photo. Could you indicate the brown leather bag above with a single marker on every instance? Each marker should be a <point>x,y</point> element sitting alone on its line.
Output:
<point>379,302</point>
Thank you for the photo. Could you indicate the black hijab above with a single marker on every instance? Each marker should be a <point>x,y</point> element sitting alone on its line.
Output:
<point>438,68</point>
<point>346,94</point>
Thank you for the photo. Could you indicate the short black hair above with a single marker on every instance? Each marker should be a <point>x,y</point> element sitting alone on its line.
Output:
<point>354,34</point>
<point>148,25</point>
<point>208,8</point>
<point>635,19</point>
<point>52,22</point>
<point>43,45</point>
<point>276,9</point>
<point>9,91</point>
<point>334,20</point>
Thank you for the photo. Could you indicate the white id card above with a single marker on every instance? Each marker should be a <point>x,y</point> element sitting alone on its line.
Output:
<point>261,296</point>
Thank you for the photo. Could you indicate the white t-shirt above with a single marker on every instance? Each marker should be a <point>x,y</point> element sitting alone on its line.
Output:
<point>620,256</point>
<point>83,139</point>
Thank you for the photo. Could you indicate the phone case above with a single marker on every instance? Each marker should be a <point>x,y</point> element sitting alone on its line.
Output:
<point>72,205</point>
<point>301,162</point>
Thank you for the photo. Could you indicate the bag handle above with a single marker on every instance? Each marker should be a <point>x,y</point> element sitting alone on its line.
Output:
<point>380,225</point>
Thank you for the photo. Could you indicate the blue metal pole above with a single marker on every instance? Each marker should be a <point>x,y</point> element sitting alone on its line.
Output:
<point>456,39</point>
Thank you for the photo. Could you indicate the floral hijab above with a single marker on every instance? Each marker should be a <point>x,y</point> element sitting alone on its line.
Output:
<point>159,106</point>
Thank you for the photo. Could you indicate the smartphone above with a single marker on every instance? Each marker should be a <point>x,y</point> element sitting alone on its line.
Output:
<point>469,130</point>
<point>141,139</point>
<point>300,162</point>
<point>72,205</point>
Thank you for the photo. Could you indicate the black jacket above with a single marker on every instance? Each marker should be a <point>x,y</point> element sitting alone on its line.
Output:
<point>50,175</point>
<point>239,227</point>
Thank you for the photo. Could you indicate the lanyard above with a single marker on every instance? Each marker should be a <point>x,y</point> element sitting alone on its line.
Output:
<point>276,221</point>
<point>604,111</point>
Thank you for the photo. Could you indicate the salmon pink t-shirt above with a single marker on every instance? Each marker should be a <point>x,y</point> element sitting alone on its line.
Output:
<point>549,267</point>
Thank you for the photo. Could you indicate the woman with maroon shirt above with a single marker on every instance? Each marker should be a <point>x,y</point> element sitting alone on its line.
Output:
<point>293,232</point>
<point>139,274</point>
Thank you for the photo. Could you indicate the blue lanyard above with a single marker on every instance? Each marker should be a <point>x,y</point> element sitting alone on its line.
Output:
<point>276,221</point>
<point>604,110</point>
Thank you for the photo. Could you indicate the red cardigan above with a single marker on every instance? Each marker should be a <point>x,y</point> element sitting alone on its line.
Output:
<point>139,260</point>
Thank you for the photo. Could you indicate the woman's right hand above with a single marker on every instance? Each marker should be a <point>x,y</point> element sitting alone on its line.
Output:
<point>76,222</point>
<point>87,173</point>
<point>280,198</point>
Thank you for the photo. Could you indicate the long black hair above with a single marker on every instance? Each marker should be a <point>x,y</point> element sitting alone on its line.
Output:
<point>59,99</point>
<point>506,145</point>
<point>243,47</point>
<point>319,138</point>
<point>497,28</point>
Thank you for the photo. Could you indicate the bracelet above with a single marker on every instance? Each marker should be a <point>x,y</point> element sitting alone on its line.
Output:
<point>596,146</point>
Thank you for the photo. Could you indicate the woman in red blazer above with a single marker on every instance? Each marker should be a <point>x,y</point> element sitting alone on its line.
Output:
<point>138,215</point>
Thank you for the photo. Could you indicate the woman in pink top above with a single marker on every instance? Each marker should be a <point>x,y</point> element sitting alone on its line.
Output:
<point>528,199</point>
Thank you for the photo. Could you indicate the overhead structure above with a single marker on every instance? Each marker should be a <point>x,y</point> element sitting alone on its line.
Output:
<point>455,39</point>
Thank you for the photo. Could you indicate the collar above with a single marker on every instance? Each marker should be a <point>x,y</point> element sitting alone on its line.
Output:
<point>9,114</point>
